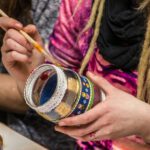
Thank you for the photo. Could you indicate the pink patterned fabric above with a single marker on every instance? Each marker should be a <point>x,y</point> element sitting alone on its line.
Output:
<point>69,47</point>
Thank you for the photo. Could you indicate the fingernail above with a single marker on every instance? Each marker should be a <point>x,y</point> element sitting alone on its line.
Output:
<point>62,124</point>
<point>18,25</point>
<point>55,128</point>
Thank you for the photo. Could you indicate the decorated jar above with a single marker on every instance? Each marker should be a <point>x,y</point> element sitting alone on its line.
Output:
<point>56,93</point>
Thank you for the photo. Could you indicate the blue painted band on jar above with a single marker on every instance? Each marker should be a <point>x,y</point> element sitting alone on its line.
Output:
<point>86,97</point>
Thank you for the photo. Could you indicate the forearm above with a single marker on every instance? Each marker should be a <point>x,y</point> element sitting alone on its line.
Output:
<point>10,98</point>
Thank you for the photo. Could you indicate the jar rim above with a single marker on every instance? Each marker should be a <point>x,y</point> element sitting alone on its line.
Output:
<point>58,94</point>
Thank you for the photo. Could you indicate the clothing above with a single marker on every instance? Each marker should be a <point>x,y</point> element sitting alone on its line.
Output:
<point>44,14</point>
<point>122,33</point>
<point>32,125</point>
<point>69,48</point>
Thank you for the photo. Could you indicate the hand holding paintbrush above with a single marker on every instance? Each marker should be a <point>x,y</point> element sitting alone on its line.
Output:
<point>34,43</point>
<point>18,55</point>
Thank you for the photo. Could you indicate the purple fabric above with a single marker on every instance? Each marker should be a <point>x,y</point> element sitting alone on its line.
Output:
<point>65,45</point>
<point>69,47</point>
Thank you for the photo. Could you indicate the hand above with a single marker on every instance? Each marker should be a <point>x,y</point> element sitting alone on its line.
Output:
<point>19,56</point>
<point>118,116</point>
<point>8,23</point>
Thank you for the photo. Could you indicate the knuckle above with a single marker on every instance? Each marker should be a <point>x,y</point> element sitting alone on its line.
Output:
<point>13,54</point>
<point>86,119</point>
<point>109,132</point>
<point>33,27</point>
<point>105,121</point>
<point>21,40</point>
<point>8,42</point>
<point>9,32</point>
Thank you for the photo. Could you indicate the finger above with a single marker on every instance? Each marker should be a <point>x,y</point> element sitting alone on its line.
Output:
<point>105,133</point>
<point>11,44</point>
<point>94,126</point>
<point>101,82</point>
<point>101,134</point>
<point>107,129</point>
<point>16,36</point>
<point>80,131</point>
<point>62,130</point>
<point>33,32</point>
<point>7,23</point>
<point>13,56</point>
<point>112,131</point>
<point>85,118</point>
<point>77,131</point>
<point>77,138</point>
<point>73,132</point>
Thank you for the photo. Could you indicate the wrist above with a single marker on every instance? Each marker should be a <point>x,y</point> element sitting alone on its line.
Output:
<point>20,87</point>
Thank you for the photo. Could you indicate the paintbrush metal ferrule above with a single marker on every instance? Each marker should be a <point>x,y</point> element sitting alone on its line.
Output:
<point>38,47</point>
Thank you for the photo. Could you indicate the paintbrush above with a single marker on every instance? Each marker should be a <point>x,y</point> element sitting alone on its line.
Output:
<point>36,45</point>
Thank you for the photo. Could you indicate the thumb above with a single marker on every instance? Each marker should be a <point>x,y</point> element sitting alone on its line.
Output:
<point>33,32</point>
<point>101,82</point>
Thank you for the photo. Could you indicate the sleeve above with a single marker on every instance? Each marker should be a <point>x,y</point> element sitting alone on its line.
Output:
<point>67,43</point>
<point>44,15</point>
